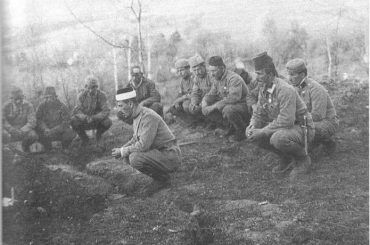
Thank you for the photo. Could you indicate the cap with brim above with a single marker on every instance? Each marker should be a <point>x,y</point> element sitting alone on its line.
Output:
<point>50,91</point>
<point>16,93</point>
<point>296,65</point>
<point>125,94</point>
<point>181,63</point>
<point>91,82</point>
<point>136,70</point>
<point>195,61</point>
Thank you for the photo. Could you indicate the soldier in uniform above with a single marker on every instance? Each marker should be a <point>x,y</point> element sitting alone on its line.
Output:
<point>202,85</point>
<point>318,103</point>
<point>182,102</point>
<point>280,120</point>
<point>153,149</point>
<point>53,121</point>
<point>19,120</point>
<point>147,94</point>
<point>91,112</point>
<point>226,99</point>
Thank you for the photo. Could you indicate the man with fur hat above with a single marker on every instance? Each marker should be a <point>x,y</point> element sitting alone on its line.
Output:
<point>318,103</point>
<point>147,94</point>
<point>153,149</point>
<point>19,120</point>
<point>53,121</point>
<point>226,99</point>
<point>278,124</point>
<point>181,104</point>
<point>91,112</point>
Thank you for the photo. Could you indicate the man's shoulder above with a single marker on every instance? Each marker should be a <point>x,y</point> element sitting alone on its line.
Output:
<point>283,86</point>
<point>313,84</point>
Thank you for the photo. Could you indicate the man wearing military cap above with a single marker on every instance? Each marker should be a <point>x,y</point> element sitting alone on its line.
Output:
<point>53,121</point>
<point>153,149</point>
<point>278,124</point>
<point>19,120</point>
<point>318,103</point>
<point>147,94</point>
<point>226,99</point>
<point>91,112</point>
<point>202,85</point>
<point>181,104</point>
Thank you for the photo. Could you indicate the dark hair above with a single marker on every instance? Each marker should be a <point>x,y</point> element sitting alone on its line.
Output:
<point>304,71</point>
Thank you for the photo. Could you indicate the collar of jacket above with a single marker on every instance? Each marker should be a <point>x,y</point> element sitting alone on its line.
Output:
<point>303,83</point>
<point>133,83</point>
<point>137,111</point>
<point>272,89</point>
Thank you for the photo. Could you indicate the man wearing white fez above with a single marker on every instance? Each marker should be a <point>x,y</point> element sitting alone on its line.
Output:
<point>153,149</point>
<point>19,120</point>
<point>202,84</point>
<point>182,102</point>
<point>53,120</point>
<point>91,112</point>
<point>226,99</point>
<point>318,103</point>
<point>280,120</point>
<point>146,93</point>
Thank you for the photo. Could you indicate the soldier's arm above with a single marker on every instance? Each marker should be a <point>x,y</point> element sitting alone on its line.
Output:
<point>286,116</point>
<point>78,110</point>
<point>319,103</point>
<point>196,94</point>
<point>6,123</point>
<point>65,118</point>
<point>209,98</point>
<point>39,117</point>
<point>103,103</point>
<point>259,116</point>
<point>154,95</point>
<point>235,93</point>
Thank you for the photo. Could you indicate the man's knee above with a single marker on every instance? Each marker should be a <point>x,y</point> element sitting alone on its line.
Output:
<point>279,140</point>
<point>228,111</point>
<point>68,135</point>
<point>136,160</point>
<point>32,136</point>
<point>105,124</point>
<point>76,122</point>
<point>186,106</point>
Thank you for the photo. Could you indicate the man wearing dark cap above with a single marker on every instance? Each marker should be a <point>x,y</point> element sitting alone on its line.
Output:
<point>147,94</point>
<point>280,120</point>
<point>202,85</point>
<point>91,112</point>
<point>53,121</point>
<point>318,103</point>
<point>153,149</point>
<point>226,99</point>
<point>181,104</point>
<point>19,120</point>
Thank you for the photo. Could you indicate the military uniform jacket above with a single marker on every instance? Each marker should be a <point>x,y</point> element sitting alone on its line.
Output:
<point>150,132</point>
<point>317,99</point>
<point>200,88</point>
<point>22,117</point>
<point>94,106</point>
<point>146,93</point>
<point>52,115</point>
<point>230,89</point>
<point>280,107</point>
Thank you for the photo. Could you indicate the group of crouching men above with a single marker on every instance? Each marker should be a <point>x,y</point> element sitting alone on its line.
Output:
<point>288,117</point>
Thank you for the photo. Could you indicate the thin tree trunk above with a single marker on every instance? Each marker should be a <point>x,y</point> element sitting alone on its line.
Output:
<point>115,68</point>
<point>149,59</point>
<point>329,56</point>
<point>129,59</point>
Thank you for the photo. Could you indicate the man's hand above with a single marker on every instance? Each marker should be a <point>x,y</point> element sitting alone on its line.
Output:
<point>116,152</point>
<point>14,132</point>
<point>177,106</point>
<point>89,119</point>
<point>255,134</point>
<point>193,107</point>
<point>208,109</point>
<point>47,132</point>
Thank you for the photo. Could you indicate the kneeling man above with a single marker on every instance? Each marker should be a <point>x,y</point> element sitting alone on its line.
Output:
<point>153,149</point>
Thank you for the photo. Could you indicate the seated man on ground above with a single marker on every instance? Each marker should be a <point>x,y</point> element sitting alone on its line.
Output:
<point>318,103</point>
<point>202,85</point>
<point>226,101</point>
<point>153,149</point>
<point>147,94</point>
<point>281,122</point>
<point>91,112</point>
<point>181,106</point>
<point>19,120</point>
<point>53,121</point>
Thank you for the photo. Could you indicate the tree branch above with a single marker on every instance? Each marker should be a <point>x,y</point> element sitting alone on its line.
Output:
<point>92,31</point>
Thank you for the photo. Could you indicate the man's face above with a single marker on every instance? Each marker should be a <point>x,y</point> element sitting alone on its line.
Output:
<point>126,108</point>
<point>200,70</point>
<point>216,71</point>
<point>183,72</point>
<point>92,89</point>
<point>295,78</point>
<point>18,100</point>
<point>49,98</point>
<point>136,75</point>
<point>263,78</point>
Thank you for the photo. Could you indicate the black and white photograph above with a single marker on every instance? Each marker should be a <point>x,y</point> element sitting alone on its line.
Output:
<point>214,122</point>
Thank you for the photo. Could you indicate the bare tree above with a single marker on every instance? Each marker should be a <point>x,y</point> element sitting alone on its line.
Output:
<point>138,14</point>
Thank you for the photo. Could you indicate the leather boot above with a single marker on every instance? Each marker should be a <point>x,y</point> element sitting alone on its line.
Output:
<point>285,164</point>
<point>302,166</point>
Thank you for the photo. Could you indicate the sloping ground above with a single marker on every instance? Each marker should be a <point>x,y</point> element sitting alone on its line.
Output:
<point>226,194</point>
